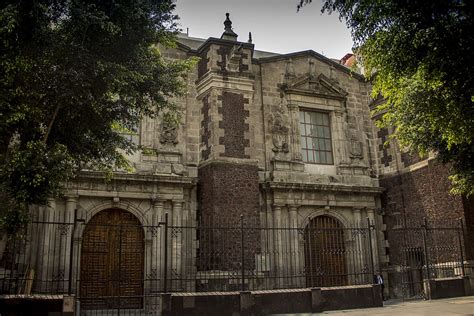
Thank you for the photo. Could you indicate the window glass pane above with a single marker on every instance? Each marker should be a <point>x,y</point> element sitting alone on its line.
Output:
<point>304,153</point>
<point>317,157</point>
<point>325,119</point>
<point>329,157</point>
<point>328,144</point>
<point>319,118</point>
<point>322,144</point>
<point>302,129</point>
<point>316,146</point>
<point>319,132</point>
<point>326,132</point>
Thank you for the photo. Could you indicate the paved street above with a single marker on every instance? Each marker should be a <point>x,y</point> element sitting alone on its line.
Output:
<point>452,306</point>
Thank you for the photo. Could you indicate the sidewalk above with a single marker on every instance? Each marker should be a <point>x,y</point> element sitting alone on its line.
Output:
<point>451,306</point>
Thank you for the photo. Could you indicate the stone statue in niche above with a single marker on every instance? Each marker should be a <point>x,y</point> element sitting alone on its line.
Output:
<point>355,148</point>
<point>168,133</point>
<point>280,135</point>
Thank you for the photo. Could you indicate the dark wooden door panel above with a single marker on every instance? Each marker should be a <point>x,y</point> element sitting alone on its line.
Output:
<point>325,252</point>
<point>112,261</point>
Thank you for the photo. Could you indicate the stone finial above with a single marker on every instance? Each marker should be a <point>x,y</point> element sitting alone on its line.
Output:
<point>228,34</point>
<point>250,38</point>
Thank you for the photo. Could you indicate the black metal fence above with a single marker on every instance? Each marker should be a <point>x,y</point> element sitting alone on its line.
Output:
<point>117,263</point>
<point>421,250</point>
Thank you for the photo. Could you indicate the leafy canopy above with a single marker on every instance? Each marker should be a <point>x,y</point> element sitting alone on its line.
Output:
<point>75,75</point>
<point>421,54</point>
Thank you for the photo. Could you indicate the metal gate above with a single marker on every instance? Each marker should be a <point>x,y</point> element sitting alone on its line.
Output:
<point>423,251</point>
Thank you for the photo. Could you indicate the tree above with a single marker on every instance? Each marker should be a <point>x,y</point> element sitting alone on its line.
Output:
<point>76,74</point>
<point>420,53</point>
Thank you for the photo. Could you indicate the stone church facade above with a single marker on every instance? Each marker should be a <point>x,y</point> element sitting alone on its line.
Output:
<point>281,139</point>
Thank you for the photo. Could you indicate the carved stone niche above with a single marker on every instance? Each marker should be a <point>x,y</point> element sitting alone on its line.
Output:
<point>356,151</point>
<point>280,136</point>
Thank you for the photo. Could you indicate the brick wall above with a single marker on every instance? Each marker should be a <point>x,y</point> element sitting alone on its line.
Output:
<point>225,191</point>
<point>468,204</point>
<point>233,123</point>
<point>205,130</point>
<point>422,193</point>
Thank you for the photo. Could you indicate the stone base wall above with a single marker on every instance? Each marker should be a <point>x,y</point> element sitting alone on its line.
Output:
<point>272,302</point>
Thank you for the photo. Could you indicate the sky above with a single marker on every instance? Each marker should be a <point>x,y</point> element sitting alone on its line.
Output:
<point>275,24</point>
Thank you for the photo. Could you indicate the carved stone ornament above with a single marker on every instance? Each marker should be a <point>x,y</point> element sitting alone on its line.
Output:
<point>234,57</point>
<point>168,133</point>
<point>355,148</point>
<point>280,135</point>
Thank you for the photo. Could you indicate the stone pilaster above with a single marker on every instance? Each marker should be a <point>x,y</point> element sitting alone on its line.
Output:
<point>157,236</point>
<point>277,225</point>
<point>375,253</point>
<point>296,269</point>
<point>71,204</point>
<point>295,147</point>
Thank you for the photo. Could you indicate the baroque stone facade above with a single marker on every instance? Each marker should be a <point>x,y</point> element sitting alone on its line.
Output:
<point>278,138</point>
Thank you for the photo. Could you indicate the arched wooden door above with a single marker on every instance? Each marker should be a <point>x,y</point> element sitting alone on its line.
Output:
<point>112,261</point>
<point>325,257</point>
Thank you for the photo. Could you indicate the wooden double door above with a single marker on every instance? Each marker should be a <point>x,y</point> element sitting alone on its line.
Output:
<point>325,255</point>
<point>112,261</point>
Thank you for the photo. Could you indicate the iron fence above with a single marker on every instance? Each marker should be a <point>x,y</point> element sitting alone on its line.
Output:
<point>422,250</point>
<point>116,263</point>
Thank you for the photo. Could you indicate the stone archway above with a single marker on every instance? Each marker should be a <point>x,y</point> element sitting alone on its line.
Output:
<point>325,256</point>
<point>112,261</point>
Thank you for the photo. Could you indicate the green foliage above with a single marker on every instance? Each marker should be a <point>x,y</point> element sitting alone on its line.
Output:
<point>72,71</point>
<point>420,53</point>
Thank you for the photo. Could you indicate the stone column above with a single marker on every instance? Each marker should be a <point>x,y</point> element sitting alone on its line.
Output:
<point>278,246</point>
<point>375,253</point>
<point>71,204</point>
<point>294,246</point>
<point>176,235</point>
<point>358,261</point>
<point>47,259</point>
<point>155,256</point>
<point>295,147</point>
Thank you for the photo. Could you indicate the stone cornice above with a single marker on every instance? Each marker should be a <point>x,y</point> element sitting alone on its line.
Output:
<point>94,175</point>
<point>276,186</point>
<point>230,81</point>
